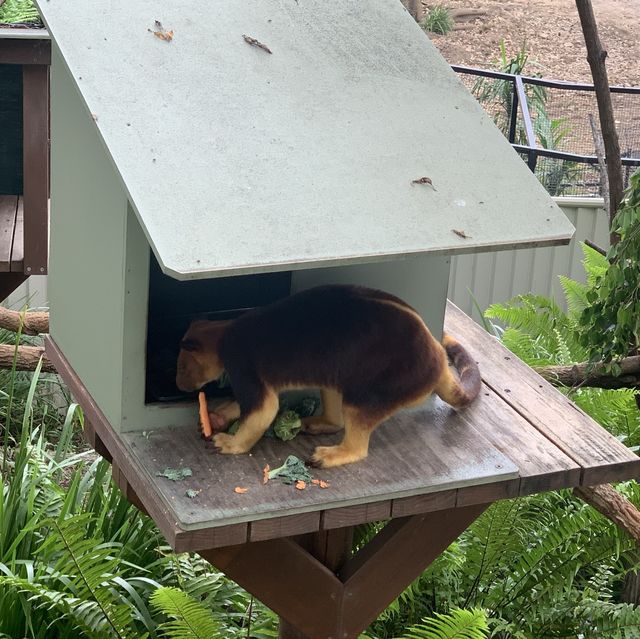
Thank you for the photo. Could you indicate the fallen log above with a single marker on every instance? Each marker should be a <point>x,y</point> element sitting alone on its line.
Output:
<point>597,377</point>
<point>27,358</point>
<point>33,322</point>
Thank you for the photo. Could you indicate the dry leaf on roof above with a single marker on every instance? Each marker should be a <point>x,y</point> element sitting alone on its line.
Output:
<point>424,180</point>
<point>461,234</point>
<point>256,43</point>
<point>161,32</point>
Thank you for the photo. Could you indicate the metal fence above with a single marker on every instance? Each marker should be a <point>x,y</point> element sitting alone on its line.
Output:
<point>547,122</point>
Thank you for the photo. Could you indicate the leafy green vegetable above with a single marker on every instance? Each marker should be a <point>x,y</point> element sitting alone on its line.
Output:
<point>291,471</point>
<point>192,494</point>
<point>175,474</point>
<point>288,421</point>
<point>287,425</point>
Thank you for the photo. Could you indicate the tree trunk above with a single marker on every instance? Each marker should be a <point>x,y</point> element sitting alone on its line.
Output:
<point>27,358</point>
<point>578,375</point>
<point>616,507</point>
<point>33,323</point>
<point>596,56</point>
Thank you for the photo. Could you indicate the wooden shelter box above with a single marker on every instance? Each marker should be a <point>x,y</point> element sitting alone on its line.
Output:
<point>197,172</point>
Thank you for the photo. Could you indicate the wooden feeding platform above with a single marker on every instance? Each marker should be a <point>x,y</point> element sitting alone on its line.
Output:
<point>25,56</point>
<point>431,471</point>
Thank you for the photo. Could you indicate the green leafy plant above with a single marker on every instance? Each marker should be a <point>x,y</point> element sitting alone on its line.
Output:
<point>610,323</point>
<point>438,20</point>
<point>188,619</point>
<point>18,11</point>
<point>458,624</point>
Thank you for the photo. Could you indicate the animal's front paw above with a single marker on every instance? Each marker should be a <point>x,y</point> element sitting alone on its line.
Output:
<point>229,444</point>
<point>328,456</point>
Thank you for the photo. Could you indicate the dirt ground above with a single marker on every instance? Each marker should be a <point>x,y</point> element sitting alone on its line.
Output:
<point>552,33</point>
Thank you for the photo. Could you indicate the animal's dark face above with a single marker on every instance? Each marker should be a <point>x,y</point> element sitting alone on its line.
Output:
<point>198,360</point>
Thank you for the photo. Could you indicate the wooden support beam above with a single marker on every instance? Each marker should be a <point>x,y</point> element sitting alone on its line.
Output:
<point>393,559</point>
<point>279,571</point>
<point>288,579</point>
<point>35,80</point>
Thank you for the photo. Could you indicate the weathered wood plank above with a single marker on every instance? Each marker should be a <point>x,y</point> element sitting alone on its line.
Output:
<point>219,537</point>
<point>423,503</point>
<point>17,247</point>
<point>26,51</point>
<point>541,464</point>
<point>8,210</point>
<point>284,526</point>
<point>358,514</point>
<point>424,450</point>
<point>600,455</point>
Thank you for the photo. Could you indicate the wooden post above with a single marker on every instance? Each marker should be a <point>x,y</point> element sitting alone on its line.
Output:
<point>596,56</point>
<point>332,548</point>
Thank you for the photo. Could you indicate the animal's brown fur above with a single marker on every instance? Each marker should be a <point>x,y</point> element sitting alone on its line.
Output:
<point>369,351</point>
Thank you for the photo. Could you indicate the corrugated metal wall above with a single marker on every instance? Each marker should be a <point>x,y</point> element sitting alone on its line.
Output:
<point>497,277</point>
<point>490,277</point>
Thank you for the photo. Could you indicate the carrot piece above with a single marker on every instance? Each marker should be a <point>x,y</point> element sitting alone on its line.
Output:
<point>301,484</point>
<point>265,474</point>
<point>240,490</point>
<point>205,422</point>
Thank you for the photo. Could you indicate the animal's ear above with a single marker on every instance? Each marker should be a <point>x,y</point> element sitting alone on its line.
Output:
<point>190,345</point>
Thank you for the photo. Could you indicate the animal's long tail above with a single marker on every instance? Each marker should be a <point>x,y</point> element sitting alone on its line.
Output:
<point>464,389</point>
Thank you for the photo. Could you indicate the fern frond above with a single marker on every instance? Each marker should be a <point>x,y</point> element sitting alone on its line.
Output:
<point>87,568</point>
<point>458,624</point>
<point>595,264</point>
<point>575,293</point>
<point>188,618</point>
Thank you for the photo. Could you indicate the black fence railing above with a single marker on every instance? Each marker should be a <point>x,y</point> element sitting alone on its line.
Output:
<point>547,122</point>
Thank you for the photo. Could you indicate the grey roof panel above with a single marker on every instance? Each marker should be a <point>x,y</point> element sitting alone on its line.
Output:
<point>240,161</point>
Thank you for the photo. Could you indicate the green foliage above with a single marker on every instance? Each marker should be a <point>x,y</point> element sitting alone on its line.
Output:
<point>438,20</point>
<point>497,98</point>
<point>540,333</point>
<point>610,324</point>
<point>77,561</point>
<point>188,619</point>
<point>458,624</point>
<point>16,11</point>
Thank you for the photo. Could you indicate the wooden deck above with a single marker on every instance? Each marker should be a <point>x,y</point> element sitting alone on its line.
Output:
<point>11,234</point>
<point>520,437</point>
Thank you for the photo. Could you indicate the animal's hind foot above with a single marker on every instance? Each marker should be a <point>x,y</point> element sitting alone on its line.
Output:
<point>330,456</point>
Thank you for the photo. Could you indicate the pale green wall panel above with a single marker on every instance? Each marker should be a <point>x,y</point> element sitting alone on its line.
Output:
<point>420,281</point>
<point>502,275</point>
<point>88,214</point>
<point>135,414</point>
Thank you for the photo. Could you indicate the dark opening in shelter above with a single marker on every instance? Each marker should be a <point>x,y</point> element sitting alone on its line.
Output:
<point>10,129</point>
<point>174,304</point>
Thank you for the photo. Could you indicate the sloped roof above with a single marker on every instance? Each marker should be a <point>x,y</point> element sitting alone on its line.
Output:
<point>237,160</point>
